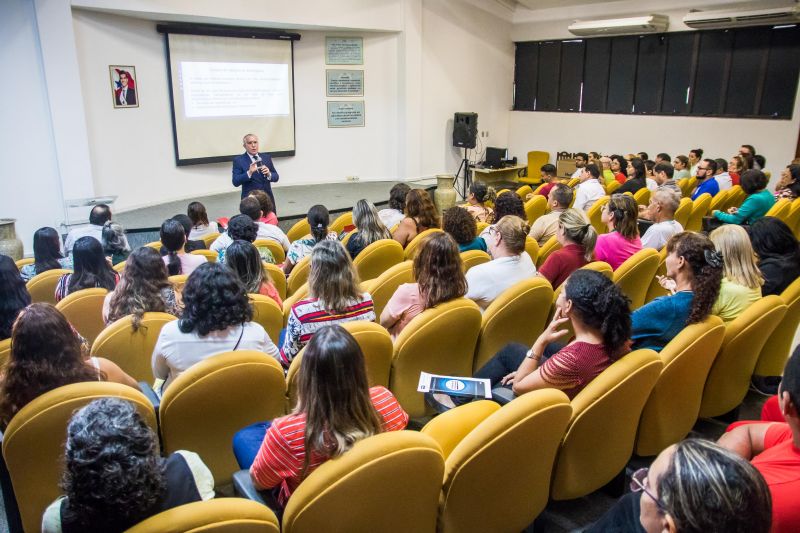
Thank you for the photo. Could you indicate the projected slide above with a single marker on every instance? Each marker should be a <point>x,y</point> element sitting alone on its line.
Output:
<point>212,89</point>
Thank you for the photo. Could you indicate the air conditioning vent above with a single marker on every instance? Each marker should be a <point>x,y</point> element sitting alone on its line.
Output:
<point>622,26</point>
<point>733,19</point>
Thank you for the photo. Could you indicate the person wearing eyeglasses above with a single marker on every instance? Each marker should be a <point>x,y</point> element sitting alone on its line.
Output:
<point>692,486</point>
<point>705,178</point>
<point>581,159</point>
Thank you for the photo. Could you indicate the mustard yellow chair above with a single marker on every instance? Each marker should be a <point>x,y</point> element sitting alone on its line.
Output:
<point>42,287</point>
<point>33,442</point>
<point>267,313</point>
<point>178,281</point>
<point>779,345</point>
<point>207,404</point>
<point>793,217</point>
<point>688,186</point>
<point>674,403</point>
<point>84,310</point>
<point>683,212</point>
<point>736,196</point>
<point>549,247</point>
<point>642,196</point>
<point>132,350</point>
<point>449,428</point>
<point>532,247</point>
<point>502,191</point>
<point>299,275</point>
<point>5,352</point>
<point>605,415</point>
<point>635,274</point>
<point>538,189</point>
<point>524,191</point>
<point>349,235</point>
<point>440,340</point>
<point>221,515</point>
<point>382,288</point>
<point>274,247</point>
<point>209,238</point>
<point>519,314</point>
<point>355,492</point>
<point>502,443</point>
<point>536,158</point>
<point>699,210</point>
<point>155,245</point>
<point>278,278</point>
<point>655,289</point>
<point>119,267</point>
<point>535,207</point>
<point>779,209</point>
<point>300,229</point>
<point>472,258</point>
<point>25,261</point>
<point>573,182</point>
<point>210,255</point>
<point>595,214</point>
<point>599,266</point>
<point>729,377</point>
<point>612,187</point>
<point>341,222</point>
<point>719,201</point>
<point>479,227</point>
<point>411,247</point>
<point>683,183</point>
<point>377,258</point>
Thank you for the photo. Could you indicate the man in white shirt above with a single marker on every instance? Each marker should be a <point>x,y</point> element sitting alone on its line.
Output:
<point>661,211</point>
<point>251,207</point>
<point>589,189</point>
<point>724,179</point>
<point>99,215</point>
<point>580,163</point>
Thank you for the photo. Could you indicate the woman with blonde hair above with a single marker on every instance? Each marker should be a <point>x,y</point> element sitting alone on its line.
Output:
<point>369,228</point>
<point>440,278</point>
<point>577,238</point>
<point>510,263</point>
<point>333,298</point>
<point>742,280</point>
<point>479,195</point>
<point>421,215</point>
<point>620,215</point>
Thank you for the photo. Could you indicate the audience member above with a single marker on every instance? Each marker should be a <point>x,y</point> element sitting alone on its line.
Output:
<point>661,211</point>
<point>173,239</point>
<point>91,269</point>
<point>251,207</point>
<point>369,228</point>
<point>652,184</point>
<point>722,176</point>
<point>200,223</point>
<point>787,187</point>
<point>439,276</point>
<point>14,295</point>
<point>191,245</point>
<point>335,409</point>
<point>618,167</point>
<point>318,220</point>
<point>577,238</point>
<point>549,177</point>
<point>759,162</point>
<point>268,215</point>
<point>608,174</point>
<point>663,174</point>
<point>749,162</point>
<point>114,476</point>
<point>393,214</point>
<point>510,262</point>
<point>479,195</point>
<point>636,177</point>
<point>695,155</point>
<point>115,245</point>
<point>778,254</point>
<point>594,159</point>
<point>706,183</point>
<point>333,298</point>
<point>98,216</point>
<point>46,354</point>
<point>759,200</point>
<point>242,227</point>
<point>217,318</point>
<point>46,254</point>
<point>663,158</point>
<point>460,225</point>
<point>143,288</point>
<point>680,164</point>
<point>420,214</point>
<point>243,260</point>
<point>506,204</point>
<point>742,281</point>
<point>589,190</point>
<point>544,227</point>
<point>581,159</point>
<point>736,166</point>
<point>643,156</point>
<point>622,241</point>
<point>747,150</point>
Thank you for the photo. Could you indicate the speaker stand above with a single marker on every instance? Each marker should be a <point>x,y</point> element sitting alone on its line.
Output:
<point>465,182</point>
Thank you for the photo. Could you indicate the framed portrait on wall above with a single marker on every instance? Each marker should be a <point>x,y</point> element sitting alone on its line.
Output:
<point>124,86</point>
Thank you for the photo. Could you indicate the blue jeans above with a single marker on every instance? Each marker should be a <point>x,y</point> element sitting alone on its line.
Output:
<point>247,442</point>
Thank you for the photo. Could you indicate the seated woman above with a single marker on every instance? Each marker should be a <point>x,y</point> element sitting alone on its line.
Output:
<point>694,273</point>
<point>393,214</point>
<point>115,244</point>
<point>243,260</point>
<point>46,354</point>
<point>479,195</point>
<point>173,237</point>
<point>789,184</point>
<point>619,166</point>
<point>759,200</point>
<point>268,215</point>
<point>46,254</point>
<point>742,280</point>
<point>577,238</point>
<point>637,177</point>
<point>335,409</point>
<point>191,245</point>
<point>240,227</point>
<point>333,298</point>
<point>114,476</point>
<point>510,263</point>
<point>217,318</point>
<point>200,224</point>
<point>91,269</point>
<point>736,166</point>
<point>778,253</point>
<point>14,296</point>
<point>620,215</point>
<point>506,204</point>
<point>143,288</point>
<point>460,225</point>
<point>681,165</point>
<point>319,219</point>
<point>369,228</point>
<point>421,215</point>
<point>694,485</point>
<point>440,278</point>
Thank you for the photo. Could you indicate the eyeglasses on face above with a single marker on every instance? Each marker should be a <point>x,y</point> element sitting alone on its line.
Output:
<point>638,485</point>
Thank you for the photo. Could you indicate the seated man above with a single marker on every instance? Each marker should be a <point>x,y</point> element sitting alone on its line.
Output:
<point>545,226</point>
<point>661,212</point>
<point>663,174</point>
<point>705,178</point>
<point>549,177</point>
<point>99,215</point>
<point>251,207</point>
<point>774,449</point>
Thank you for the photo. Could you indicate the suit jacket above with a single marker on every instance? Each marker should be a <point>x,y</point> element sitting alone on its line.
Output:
<point>241,163</point>
<point>130,96</point>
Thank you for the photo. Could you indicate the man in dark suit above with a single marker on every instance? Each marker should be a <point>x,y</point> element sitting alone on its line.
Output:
<point>125,95</point>
<point>253,170</point>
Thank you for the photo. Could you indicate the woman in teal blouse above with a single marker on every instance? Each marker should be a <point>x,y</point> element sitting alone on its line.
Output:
<point>755,206</point>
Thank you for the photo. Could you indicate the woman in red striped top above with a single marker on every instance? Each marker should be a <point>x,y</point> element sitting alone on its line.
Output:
<point>335,409</point>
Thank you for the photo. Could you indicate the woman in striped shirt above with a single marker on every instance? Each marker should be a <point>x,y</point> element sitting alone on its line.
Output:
<point>335,409</point>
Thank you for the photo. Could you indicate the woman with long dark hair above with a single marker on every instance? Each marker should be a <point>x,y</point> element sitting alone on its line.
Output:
<point>421,215</point>
<point>173,237</point>
<point>91,269</point>
<point>46,254</point>
<point>618,166</point>
<point>14,295</point>
<point>200,223</point>
<point>318,219</point>
<point>778,253</point>
<point>637,177</point>
<point>243,260</point>
<point>789,184</point>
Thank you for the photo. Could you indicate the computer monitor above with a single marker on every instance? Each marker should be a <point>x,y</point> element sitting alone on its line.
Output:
<point>494,157</point>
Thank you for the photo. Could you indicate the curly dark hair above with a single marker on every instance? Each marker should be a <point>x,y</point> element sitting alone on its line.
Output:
<point>45,354</point>
<point>438,268</point>
<point>459,224</point>
<point>140,286</point>
<point>91,267</point>
<point>214,299</point>
<point>601,305</point>
<point>706,278</point>
<point>13,295</point>
<point>419,206</point>
<point>397,196</point>
<point>114,476</point>
<point>242,227</point>
<point>508,204</point>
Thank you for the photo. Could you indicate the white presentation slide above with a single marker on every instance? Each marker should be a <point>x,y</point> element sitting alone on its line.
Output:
<point>234,89</point>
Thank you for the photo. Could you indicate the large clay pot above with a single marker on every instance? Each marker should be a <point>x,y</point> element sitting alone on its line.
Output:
<point>445,195</point>
<point>9,244</point>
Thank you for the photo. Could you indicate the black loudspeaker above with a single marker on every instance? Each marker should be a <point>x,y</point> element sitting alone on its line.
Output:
<point>465,130</point>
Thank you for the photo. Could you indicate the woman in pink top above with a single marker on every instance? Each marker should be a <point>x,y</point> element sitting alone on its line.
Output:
<point>620,215</point>
<point>440,278</point>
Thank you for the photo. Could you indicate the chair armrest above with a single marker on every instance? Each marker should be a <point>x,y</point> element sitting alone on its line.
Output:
<point>151,394</point>
<point>503,395</point>
<point>243,486</point>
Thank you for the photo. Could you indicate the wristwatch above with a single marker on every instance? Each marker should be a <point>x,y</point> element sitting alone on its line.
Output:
<point>529,355</point>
